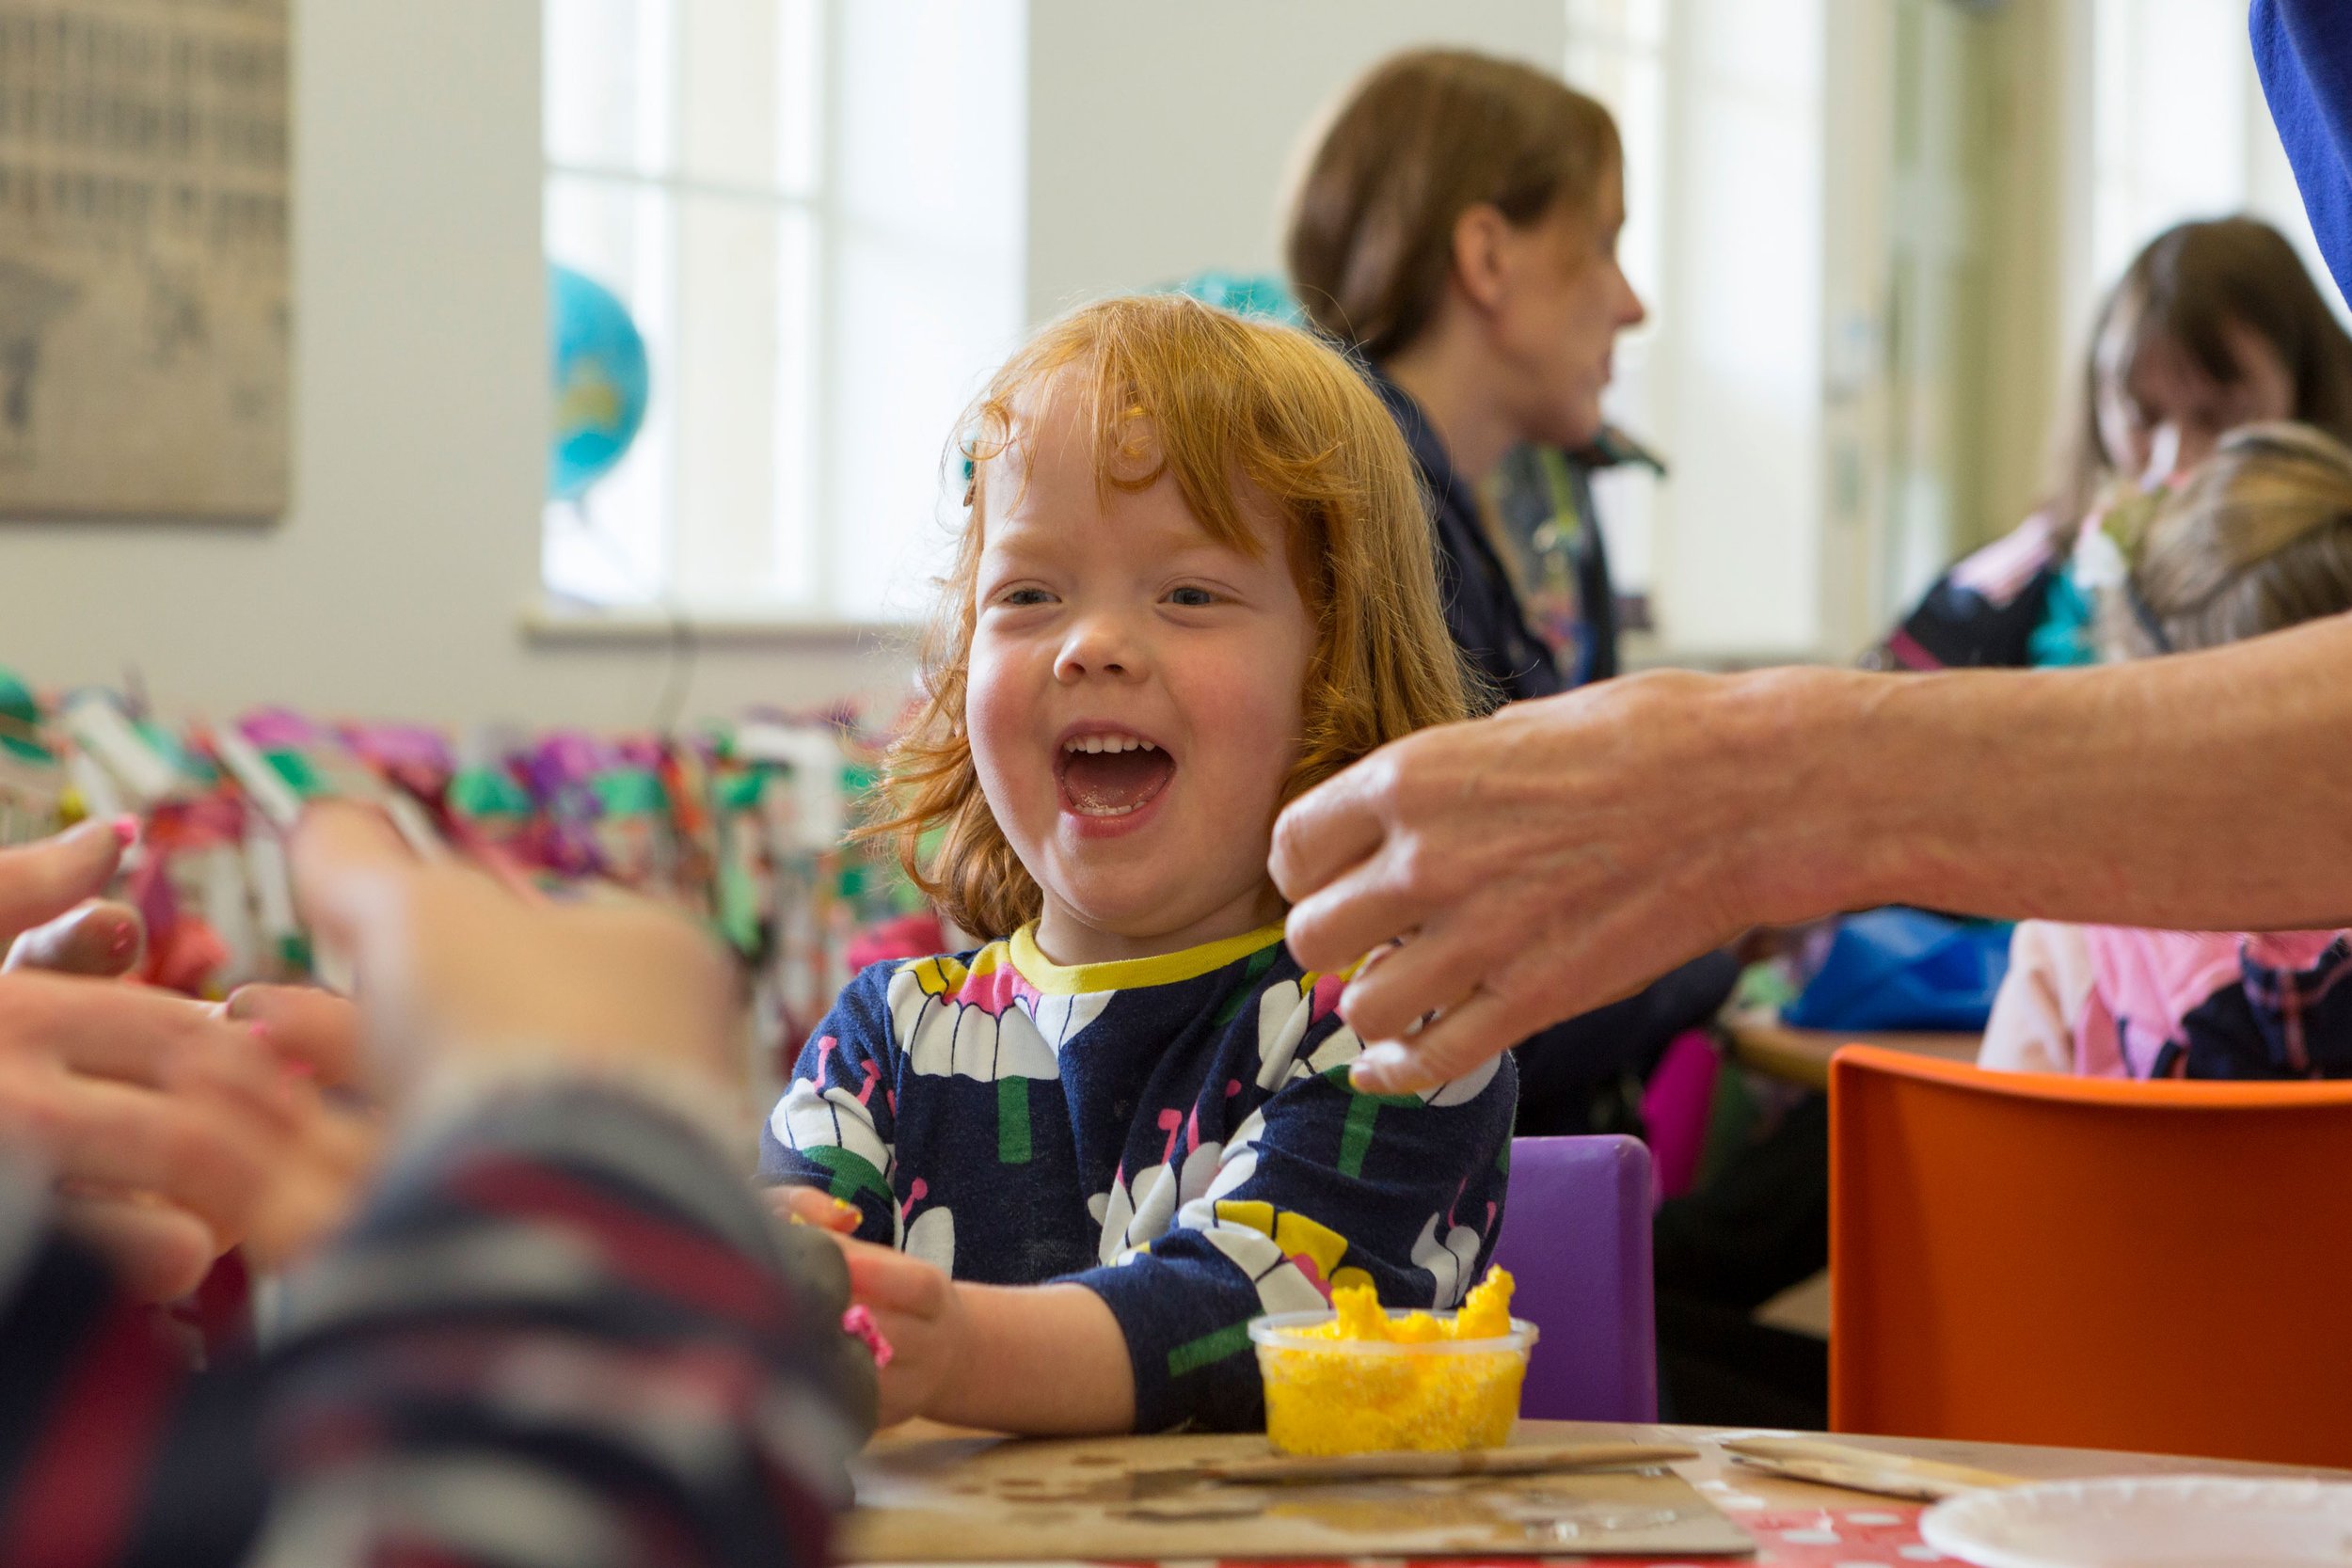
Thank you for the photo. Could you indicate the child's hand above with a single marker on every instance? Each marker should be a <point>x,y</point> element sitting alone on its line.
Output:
<point>810,1206</point>
<point>920,1311</point>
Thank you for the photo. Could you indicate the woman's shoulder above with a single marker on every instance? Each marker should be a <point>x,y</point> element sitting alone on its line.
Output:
<point>1984,612</point>
<point>2005,570</point>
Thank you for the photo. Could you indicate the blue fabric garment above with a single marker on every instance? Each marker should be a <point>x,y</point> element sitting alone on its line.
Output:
<point>2303,49</point>
<point>1482,609</point>
<point>1905,969</point>
<point>1176,1133</point>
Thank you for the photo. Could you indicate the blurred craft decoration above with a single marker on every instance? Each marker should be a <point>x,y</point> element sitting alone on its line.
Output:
<point>742,826</point>
<point>601,382</point>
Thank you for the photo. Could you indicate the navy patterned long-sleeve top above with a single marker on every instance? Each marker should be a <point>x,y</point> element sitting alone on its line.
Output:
<point>1176,1133</point>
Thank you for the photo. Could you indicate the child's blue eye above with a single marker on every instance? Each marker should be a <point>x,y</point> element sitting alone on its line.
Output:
<point>1192,598</point>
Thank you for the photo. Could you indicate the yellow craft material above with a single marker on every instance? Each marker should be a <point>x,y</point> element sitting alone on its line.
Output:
<point>1362,1380</point>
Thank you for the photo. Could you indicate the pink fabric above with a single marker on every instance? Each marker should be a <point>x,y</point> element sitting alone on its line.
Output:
<point>1674,1108</point>
<point>2149,981</point>
<point>1999,572</point>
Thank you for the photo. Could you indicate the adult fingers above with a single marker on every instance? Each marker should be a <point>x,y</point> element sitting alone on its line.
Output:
<point>1434,968</point>
<point>1330,827</point>
<point>40,881</point>
<point>1377,901</point>
<point>1484,1025</point>
<point>103,939</point>
<point>1558,973</point>
<point>158,1252</point>
<point>302,1024</point>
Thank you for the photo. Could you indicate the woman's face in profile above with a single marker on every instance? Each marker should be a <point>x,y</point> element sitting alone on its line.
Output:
<point>2169,414</point>
<point>1558,323</point>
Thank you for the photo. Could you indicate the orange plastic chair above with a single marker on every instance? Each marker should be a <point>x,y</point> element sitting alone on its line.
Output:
<point>2164,1267</point>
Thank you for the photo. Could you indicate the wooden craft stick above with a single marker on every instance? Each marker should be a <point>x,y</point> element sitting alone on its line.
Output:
<point>1861,1469</point>
<point>1531,1459</point>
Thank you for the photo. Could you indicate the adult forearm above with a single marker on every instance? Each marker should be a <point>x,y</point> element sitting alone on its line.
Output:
<point>2210,791</point>
<point>1043,1359</point>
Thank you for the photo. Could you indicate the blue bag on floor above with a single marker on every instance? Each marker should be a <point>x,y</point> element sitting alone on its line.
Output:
<point>1905,969</point>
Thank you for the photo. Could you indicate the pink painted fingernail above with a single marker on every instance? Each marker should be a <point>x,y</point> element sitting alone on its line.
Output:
<point>124,940</point>
<point>288,1066</point>
<point>126,831</point>
<point>858,1323</point>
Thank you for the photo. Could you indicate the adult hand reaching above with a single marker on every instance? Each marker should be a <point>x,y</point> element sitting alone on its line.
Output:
<point>456,969</point>
<point>1528,866</point>
<point>1538,864</point>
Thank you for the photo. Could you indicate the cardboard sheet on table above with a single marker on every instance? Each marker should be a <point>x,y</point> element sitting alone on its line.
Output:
<point>974,1499</point>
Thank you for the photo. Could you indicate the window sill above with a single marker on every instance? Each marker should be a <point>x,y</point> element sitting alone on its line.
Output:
<point>551,621</point>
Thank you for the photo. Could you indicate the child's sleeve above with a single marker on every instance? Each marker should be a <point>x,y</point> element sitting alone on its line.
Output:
<point>1321,1187</point>
<point>832,1129</point>
<point>2041,1003</point>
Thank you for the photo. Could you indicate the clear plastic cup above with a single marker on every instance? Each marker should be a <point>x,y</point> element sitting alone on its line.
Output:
<point>1369,1396</point>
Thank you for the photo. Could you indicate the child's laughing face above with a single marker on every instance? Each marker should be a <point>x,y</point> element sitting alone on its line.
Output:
<point>1135,698</point>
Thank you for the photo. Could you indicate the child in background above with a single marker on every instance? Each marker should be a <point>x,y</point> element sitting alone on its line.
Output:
<point>1195,581</point>
<point>2258,539</point>
<point>2215,325</point>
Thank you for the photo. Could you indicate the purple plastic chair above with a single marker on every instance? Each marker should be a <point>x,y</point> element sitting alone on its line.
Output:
<point>1576,1236</point>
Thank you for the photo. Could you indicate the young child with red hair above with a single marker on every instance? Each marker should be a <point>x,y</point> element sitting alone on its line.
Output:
<point>1195,580</point>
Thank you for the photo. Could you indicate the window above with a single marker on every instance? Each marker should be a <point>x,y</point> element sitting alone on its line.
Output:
<point>1617,54</point>
<point>814,209</point>
<point>2180,131</point>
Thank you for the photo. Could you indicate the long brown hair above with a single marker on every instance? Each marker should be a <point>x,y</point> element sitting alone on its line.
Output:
<point>2258,540</point>
<point>1423,138</point>
<point>2189,287</point>
<point>1169,386</point>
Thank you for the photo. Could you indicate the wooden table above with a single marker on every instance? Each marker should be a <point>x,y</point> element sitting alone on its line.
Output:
<point>1760,1040</point>
<point>1800,1525</point>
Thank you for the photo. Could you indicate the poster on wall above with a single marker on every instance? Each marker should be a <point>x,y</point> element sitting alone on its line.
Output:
<point>145,317</point>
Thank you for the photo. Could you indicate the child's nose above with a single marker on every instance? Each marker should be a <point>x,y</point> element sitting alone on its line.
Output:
<point>1099,646</point>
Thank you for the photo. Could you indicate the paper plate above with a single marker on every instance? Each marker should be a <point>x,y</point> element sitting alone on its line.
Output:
<point>2148,1522</point>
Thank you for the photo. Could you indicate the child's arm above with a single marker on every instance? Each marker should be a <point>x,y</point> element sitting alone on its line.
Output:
<point>1321,1187</point>
<point>833,1129</point>
<point>1041,1359</point>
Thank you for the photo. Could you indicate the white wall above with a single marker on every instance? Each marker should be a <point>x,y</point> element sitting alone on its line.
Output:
<point>1162,137</point>
<point>1739,351</point>
<point>393,586</point>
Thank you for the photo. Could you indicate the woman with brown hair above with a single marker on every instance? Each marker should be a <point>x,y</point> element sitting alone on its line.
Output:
<point>2215,325</point>
<point>1456,228</point>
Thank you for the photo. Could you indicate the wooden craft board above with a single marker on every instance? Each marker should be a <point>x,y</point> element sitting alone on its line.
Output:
<point>984,1499</point>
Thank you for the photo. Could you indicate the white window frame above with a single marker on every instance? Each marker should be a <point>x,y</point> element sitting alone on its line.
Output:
<point>697,561</point>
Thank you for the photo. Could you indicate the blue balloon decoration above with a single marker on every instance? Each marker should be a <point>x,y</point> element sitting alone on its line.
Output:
<point>1244,294</point>
<point>601,382</point>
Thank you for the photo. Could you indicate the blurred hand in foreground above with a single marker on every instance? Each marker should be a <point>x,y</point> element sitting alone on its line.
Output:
<point>454,968</point>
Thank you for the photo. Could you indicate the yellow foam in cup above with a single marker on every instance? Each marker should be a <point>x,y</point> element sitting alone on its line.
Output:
<point>1361,1380</point>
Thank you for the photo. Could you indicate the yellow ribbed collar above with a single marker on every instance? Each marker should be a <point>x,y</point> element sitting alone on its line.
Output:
<point>1161,969</point>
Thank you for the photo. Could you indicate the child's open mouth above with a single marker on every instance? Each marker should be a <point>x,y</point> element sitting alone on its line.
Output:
<point>1111,774</point>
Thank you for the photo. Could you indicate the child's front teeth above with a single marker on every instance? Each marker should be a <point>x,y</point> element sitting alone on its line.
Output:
<point>1108,744</point>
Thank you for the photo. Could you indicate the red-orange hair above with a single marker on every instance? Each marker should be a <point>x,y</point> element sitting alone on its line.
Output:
<point>1171,387</point>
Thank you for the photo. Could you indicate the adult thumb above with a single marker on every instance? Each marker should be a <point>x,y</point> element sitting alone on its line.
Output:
<point>42,881</point>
